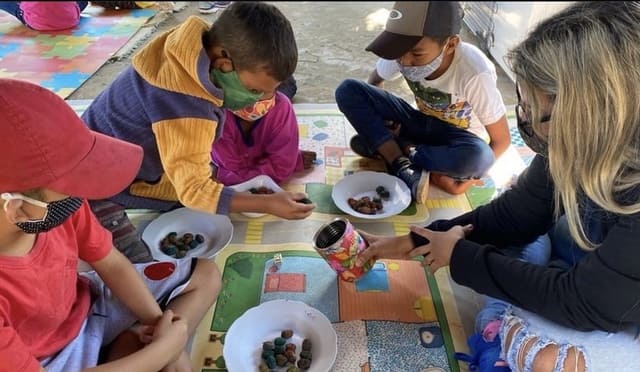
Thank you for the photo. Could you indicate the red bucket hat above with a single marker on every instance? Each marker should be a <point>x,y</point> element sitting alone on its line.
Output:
<point>44,143</point>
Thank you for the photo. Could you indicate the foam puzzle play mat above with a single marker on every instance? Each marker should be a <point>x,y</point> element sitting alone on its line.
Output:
<point>63,60</point>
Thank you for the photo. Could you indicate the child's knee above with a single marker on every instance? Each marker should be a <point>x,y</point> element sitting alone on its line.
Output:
<point>208,276</point>
<point>477,160</point>
<point>345,91</point>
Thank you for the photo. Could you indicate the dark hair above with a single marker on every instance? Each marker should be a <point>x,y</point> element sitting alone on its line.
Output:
<point>257,36</point>
<point>440,40</point>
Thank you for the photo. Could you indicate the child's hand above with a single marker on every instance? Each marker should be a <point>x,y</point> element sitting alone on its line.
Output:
<point>145,333</point>
<point>171,328</point>
<point>308,159</point>
<point>289,205</point>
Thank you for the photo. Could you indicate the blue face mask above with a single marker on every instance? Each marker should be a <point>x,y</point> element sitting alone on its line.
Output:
<point>419,73</point>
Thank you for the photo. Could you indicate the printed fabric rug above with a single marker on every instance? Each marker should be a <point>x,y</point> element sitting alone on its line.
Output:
<point>61,61</point>
<point>396,318</point>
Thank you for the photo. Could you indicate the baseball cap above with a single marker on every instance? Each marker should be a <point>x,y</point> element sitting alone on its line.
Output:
<point>44,143</point>
<point>410,21</point>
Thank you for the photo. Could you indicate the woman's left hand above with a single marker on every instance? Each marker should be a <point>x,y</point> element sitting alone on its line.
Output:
<point>437,253</point>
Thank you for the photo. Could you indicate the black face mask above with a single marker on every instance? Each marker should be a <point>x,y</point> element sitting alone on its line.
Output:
<point>529,136</point>
<point>57,213</point>
<point>531,139</point>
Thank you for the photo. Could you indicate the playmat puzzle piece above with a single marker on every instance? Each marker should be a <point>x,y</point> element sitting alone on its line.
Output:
<point>65,80</point>
<point>65,47</point>
<point>284,282</point>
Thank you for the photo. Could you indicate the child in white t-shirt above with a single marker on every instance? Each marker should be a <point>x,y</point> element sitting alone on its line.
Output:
<point>456,94</point>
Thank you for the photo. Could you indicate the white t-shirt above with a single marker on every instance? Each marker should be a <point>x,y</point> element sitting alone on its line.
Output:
<point>466,95</point>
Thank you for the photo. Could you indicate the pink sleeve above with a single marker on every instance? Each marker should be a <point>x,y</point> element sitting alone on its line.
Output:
<point>281,146</point>
<point>94,241</point>
<point>14,355</point>
<point>225,154</point>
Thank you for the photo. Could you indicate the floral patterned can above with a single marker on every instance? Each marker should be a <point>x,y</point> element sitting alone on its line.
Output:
<point>339,243</point>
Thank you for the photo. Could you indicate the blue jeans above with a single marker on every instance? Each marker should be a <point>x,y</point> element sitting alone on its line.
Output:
<point>557,246</point>
<point>13,8</point>
<point>440,147</point>
<point>538,252</point>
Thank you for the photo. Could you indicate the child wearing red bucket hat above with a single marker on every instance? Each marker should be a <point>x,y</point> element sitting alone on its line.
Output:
<point>51,316</point>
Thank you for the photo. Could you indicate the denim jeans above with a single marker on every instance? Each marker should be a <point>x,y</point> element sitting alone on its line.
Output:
<point>440,147</point>
<point>566,253</point>
<point>538,252</point>
<point>13,8</point>
<point>557,246</point>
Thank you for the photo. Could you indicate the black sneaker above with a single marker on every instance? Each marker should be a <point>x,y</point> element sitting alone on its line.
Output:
<point>360,147</point>
<point>417,179</point>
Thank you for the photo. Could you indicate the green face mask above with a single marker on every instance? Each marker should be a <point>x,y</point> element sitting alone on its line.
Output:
<point>236,96</point>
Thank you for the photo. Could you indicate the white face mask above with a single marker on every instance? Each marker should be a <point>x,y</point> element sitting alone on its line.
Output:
<point>419,73</point>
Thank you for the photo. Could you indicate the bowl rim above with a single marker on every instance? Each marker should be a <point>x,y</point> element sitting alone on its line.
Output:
<point>243,187</point>
<point>160,220</point>
<point>361,173</point>
<point>303,305</point>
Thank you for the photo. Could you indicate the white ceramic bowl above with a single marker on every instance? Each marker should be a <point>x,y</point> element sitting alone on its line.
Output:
<point>259,181</point>
<point>243,342</point>
<point>364,183</point>
<point>216,229</point>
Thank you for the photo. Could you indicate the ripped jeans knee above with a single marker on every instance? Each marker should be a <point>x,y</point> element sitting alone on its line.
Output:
<point>528,352</point>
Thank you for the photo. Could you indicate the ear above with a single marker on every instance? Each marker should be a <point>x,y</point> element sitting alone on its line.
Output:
<point>14,213</point>
<point>452,43</point>
<point>220,59</point>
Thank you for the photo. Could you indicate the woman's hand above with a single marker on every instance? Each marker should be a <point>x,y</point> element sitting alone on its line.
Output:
<point>437,253</point>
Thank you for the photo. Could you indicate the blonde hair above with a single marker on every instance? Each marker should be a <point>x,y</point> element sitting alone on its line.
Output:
<point>586,59</point>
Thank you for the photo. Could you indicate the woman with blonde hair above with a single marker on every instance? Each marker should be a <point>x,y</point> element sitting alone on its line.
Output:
<point>578,86</point>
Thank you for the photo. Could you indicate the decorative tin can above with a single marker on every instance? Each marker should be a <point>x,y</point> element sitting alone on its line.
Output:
<point>339,243</point>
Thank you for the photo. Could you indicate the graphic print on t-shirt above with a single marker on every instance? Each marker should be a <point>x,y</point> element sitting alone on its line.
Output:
<point>434,102</point>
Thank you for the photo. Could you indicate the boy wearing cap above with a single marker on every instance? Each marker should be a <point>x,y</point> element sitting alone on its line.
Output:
<point>51,317</point>
<point>454,85</point>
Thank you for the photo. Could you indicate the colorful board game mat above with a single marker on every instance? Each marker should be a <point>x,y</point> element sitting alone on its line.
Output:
<point>62,61</point>
<point>415,324</point>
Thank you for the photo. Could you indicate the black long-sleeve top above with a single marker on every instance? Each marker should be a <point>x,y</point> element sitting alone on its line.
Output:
<point>602,292</point>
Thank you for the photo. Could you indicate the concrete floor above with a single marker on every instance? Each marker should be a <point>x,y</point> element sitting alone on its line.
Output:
<point>331,38</point>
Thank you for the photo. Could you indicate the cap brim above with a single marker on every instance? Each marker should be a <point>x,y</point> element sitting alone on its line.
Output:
<point>392,46</point>
<point>108,168</point>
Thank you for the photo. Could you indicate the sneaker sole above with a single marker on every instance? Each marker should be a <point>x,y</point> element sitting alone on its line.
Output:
<point>423,188</point>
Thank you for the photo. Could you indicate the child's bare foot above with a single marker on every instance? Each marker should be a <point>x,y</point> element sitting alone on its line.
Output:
<point>308,158</point>
<point>451,185</point>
